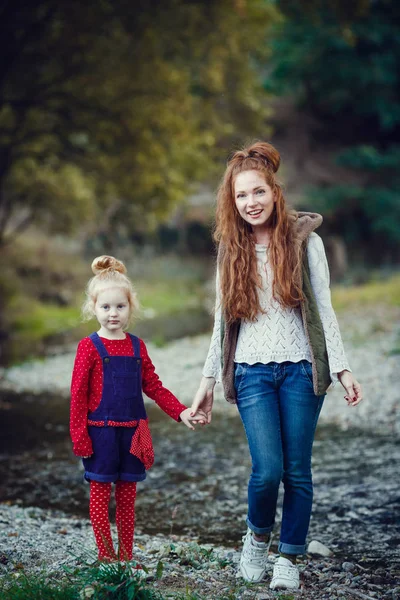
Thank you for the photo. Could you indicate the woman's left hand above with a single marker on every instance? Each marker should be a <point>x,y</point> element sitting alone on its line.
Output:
<point>353,388</point>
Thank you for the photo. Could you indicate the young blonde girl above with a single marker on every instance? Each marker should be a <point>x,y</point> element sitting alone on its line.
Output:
<point>108,421</point>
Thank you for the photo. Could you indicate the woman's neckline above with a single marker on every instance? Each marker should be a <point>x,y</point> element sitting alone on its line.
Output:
<point>261,247</point>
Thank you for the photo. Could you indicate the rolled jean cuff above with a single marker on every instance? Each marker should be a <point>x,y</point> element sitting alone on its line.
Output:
<point>291,548</point>
<point>259,530</point>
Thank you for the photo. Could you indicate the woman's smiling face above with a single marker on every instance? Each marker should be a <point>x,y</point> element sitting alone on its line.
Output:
<point>254,198</point>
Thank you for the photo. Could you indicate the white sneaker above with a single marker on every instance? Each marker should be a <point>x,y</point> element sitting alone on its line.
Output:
<point>253,561</point>
<point>285,575</point>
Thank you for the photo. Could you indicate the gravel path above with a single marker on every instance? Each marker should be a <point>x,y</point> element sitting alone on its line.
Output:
<point>33,539</point>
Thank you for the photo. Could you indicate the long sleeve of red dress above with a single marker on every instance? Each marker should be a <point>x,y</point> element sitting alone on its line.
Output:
<point>87,387</point>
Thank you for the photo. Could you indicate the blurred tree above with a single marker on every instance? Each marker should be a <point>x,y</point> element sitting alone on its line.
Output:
<point>367,215</point>
<point>341,60</point>
<point>110,109</point>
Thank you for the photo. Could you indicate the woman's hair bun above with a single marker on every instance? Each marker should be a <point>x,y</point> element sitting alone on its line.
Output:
<point>267,153</point>
<point>107,263</point>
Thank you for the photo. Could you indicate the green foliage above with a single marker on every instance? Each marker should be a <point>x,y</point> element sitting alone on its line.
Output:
<point>372,159</point>
<point>40,587</point>
<point>94,581</point>
<point>194,556</point>
<point>342,66</point>
<point>109,112</point>
<point>342,62</point>
<point>114,581</point>
<point>60,197</point>
<point>367,214</point>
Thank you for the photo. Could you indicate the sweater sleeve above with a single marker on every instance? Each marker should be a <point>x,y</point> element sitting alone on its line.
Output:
<point>319,275</point>
<point>154,389</point>
<point>212,366</point>
<point>84,359</point>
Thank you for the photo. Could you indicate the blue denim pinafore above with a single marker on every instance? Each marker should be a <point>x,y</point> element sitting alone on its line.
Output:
<point>121,401</point>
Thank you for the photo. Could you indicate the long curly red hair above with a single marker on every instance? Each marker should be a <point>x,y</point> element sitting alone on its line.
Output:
<point>239,279</point>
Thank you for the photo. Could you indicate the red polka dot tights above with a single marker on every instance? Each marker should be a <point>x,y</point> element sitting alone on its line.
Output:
<point>125,495</point>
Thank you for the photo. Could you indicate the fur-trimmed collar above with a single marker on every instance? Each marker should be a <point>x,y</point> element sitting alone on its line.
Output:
<point>305,223</point>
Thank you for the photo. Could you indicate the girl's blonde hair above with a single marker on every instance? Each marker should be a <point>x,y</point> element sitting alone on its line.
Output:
<point>109,272</point>
<point>238,267</point>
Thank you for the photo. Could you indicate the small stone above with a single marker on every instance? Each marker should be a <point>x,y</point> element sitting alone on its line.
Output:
<point>87,592</point>
<point>348,566</point>
<point>396,592</point>
<point>315,547</point>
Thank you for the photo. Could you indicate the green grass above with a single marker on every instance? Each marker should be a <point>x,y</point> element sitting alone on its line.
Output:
<point>22,587</point>
<point>106,582</point>
<point>164,297</point>
<point>88,579</point>
<point>37,320</point>
<point>115,581</point>
<point>375,292</point>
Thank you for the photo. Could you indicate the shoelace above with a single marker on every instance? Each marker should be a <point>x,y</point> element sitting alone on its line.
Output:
<point>256,555</point>
<point>285,570</point>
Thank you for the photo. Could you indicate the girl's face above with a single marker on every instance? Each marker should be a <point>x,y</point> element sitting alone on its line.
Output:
<point>112,311</point>
<point>254,199</point>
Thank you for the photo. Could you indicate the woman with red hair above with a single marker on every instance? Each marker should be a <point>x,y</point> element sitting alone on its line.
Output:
<point>276,347</point>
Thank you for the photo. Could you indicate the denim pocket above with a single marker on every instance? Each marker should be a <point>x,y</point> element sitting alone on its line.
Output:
<point>306,369</point>
<point>240,372</point>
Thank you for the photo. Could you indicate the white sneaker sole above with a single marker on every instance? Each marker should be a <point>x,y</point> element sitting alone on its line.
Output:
<point>283,584</point>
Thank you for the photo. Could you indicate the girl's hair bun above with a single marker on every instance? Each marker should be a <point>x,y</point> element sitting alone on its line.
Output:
<point>105,263</point>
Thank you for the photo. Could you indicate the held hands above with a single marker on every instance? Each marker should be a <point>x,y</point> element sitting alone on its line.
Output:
<point>204,398</point>
<point>353,388</point>
<point>188,418</point>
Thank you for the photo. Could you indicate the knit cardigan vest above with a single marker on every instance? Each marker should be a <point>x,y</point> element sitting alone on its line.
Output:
<point>303,224</point>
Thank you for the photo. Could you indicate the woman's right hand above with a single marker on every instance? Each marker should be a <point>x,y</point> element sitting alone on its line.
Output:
<point>204,397</point>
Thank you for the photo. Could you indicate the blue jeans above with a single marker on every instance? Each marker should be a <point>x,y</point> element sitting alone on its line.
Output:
<point>279,411</point>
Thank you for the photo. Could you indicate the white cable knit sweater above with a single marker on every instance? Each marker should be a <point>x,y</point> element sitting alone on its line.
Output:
<point>278,334</point>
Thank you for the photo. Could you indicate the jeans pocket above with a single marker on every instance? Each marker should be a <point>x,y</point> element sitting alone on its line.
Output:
<point>240,372</point>
<point>306,369</point>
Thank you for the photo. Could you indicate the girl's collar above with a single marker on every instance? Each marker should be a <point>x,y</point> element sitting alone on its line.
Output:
<point>112,339</point>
